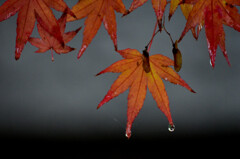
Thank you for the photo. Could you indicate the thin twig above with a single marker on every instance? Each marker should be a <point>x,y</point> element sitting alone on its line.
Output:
<point>148,47</point>
<point>164,28</point>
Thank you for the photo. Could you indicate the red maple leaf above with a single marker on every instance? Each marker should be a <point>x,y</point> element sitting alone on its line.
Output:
<point>137,72</point>
<point>97,11</point>
<point>26,18</point>
<point>213,14</point>
<point>48,42</point>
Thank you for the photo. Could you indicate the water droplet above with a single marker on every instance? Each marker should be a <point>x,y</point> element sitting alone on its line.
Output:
<point>128,135</point>
<point>171,127</point>
<point>128,131</point>
<point>166,78</point>
<point>210,62</point>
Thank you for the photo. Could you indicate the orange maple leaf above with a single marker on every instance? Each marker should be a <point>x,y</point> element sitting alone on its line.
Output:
<point>137,72</point>
<point>48,42</point>
<point>158,6</point>
<point>26,18</point>
<point>97,11</point>
<point>214,13</point>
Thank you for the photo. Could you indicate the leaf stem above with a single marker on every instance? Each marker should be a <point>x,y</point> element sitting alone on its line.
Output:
<point>164,28</point>
<point>148,46</point>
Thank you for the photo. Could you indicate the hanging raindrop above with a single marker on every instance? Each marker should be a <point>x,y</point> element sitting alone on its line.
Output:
<point>210,62</point>
<point>171,127</point>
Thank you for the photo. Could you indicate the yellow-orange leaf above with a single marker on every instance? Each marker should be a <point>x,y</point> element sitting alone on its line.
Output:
<point>174,4</point>
<point>137,72</point>
<point>97,11</point>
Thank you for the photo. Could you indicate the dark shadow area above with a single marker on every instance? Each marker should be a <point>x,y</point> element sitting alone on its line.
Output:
<point>116,147</point>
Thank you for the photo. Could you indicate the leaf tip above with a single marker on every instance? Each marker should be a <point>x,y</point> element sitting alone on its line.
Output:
<point>98,106</point>
<point>193,91</point>
<point>228,61</point>
<point>116,47</point>
<point>126,13</point>
<point>160,25</point>
<point>212,61</point>
<point>79,55</point>
<point>169,17</point>
<point>76,31</point>
<point>99,73</point>
<point>17,57</point>
<point>128,131</point>
<point>18,52</point>
<point>82,50</point>
<point>229,64</point>
<point>105,99</point>
<point>226,57</point>
<point>68,10</point>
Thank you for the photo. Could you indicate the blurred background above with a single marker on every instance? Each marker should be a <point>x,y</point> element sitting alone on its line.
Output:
<point>55,102</point>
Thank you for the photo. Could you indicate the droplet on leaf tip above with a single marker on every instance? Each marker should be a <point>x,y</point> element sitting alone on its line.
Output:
<point>128,134</point>
<point>210,62</point>
<point>128,131</point>
<point>171,127</point>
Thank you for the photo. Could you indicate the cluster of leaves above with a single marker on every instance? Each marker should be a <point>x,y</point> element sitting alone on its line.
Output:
<point>138,71</point>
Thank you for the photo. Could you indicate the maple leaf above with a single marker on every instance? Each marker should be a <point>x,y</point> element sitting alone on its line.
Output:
<point>97,11</point>
<point>48,42</point>
<point>158,6</point>
<point>26,18</point>
<point>186,10</point>
<point>174,4</point>
<point>137,72</point>
<point>213,14</point>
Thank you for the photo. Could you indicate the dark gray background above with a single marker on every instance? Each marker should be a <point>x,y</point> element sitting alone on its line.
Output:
<point>57,100</point>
